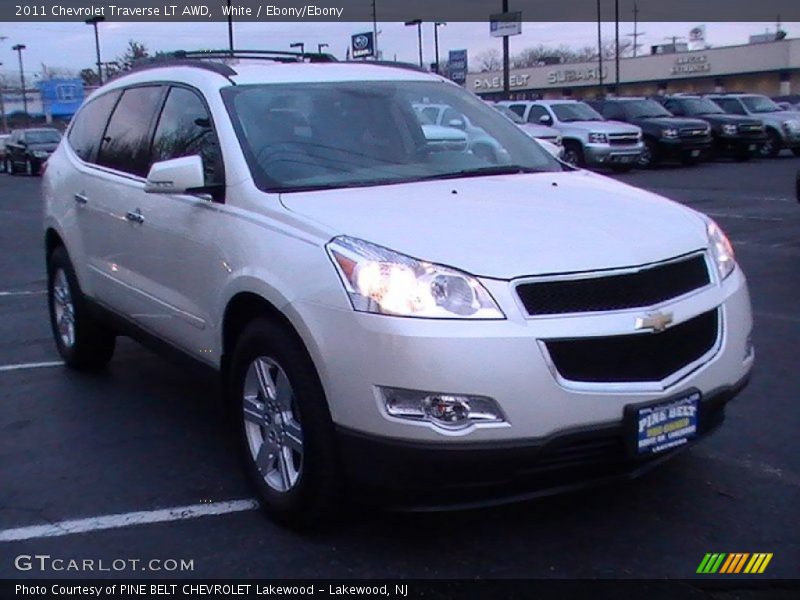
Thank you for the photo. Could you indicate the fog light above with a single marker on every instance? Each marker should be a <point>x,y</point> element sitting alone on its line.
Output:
<point>449,411</point>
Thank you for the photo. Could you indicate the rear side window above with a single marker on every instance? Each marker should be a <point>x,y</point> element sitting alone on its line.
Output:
<point>730,105</point>
<point>126,144</point>
<point>185,128</point>
<point>612,111</point>
<point>518,108</point>
<point>87,128</point>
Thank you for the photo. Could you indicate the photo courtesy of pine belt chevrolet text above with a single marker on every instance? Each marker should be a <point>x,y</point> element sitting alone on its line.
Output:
<point>409,299</point>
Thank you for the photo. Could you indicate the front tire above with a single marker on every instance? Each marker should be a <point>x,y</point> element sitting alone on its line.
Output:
<point>287,434</point>
<point>649,156</point>
<point>82,342</point>
<point>772,147</point>
<point>796,151</point>
<point>573,154</point>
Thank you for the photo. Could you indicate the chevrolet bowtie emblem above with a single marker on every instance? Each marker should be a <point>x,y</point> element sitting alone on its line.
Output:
<point>656,321</point>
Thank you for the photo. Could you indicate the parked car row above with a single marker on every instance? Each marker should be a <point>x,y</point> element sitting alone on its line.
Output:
<point>621,133</point>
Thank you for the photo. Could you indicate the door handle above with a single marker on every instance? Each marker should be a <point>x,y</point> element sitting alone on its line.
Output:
<point>81,199</point>
<point>135,216</point>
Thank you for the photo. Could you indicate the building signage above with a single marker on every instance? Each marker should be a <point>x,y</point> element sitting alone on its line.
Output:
<point>491,83</point>
<point>505,24</point>
<point>574,75</point>
<point>697,63</point>
<point>362,45</point>
<point>457,66</point>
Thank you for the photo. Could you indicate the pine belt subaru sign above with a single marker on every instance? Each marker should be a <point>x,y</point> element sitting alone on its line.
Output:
<point>362,45</point>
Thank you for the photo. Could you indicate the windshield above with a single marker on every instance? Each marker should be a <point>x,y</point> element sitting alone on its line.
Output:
<point>505,111</point>
<point>700,106</point>
<point>760,104</point>
<point>575,111</point>
<point>644,109</point>
<point>344,134</point>
<point>44,136</point>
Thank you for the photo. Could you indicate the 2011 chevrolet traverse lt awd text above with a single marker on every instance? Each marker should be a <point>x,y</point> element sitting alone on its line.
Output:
<point>401,317</point>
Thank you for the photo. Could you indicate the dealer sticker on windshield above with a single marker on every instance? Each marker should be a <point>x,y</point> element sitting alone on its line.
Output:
<point>666,425</point>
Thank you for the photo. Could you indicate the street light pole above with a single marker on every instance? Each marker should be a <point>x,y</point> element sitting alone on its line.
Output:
<point>616,47</point>
<point>436,26</point>
<point>94,21</point>
<point>418,23</point>
<point>600,50</point>
<point>230,28</point>
<point>300,45</point>
<point>19,48</point>
<point>2,96</point>
<point>320,47</point>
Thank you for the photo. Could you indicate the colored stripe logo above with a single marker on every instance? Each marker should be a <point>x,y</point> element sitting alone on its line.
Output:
<point>734,563</point>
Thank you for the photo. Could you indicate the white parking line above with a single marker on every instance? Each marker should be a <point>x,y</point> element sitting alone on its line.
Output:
<point>179,513</point>
<point>23,293</point>
<point>36,365</point>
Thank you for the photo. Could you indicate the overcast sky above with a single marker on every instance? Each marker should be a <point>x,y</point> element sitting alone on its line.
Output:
<point>71,45</point>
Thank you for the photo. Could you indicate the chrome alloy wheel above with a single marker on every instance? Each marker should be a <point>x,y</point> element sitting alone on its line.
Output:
<point>272,424</point>
<point>64,309</point>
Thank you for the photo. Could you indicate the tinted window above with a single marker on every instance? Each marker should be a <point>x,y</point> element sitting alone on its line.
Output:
<point>518,108</point>
<point>88,126</point>
<point>184,128</point>
<point>575,111</point>
<point>730,105</point>
<point>612,111</point>
<point>43,136</point>
<point>125,145</point>
<point>536,113</point>
<point>644,109</point>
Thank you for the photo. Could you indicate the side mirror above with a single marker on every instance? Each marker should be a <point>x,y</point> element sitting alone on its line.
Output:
<point>546,120</point>
<point>176,176</point>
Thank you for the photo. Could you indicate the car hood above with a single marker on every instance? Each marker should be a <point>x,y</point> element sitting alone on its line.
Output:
<point>725,118</point>
<point>48,147</point>
<point>784,115</point>
<point>672,122</point>
<point>511,225</point>
<point>602,126</point>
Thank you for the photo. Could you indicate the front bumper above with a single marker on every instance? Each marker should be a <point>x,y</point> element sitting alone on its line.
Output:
<point>608,154</point>
<point>679,147</point>
<point>434,476</point>
<point>791,138</point>
<point>739,143</point>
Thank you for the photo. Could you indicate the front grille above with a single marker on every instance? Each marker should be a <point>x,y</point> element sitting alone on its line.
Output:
<point>636,357</point>
<point>645,287</point>
<point>692,132</point>
<point>623,139</point>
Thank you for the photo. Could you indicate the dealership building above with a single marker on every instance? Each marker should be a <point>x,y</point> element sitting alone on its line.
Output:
<point>771,68</point>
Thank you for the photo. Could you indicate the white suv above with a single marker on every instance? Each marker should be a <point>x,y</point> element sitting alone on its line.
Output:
<point>425,324</point>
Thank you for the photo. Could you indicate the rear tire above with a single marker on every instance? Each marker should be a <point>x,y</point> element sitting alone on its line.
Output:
<point>83,342</point>
<point>287,434</point>
<point>10,169</point>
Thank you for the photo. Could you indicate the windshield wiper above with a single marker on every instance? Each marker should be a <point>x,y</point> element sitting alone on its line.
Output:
<point>483,171</point>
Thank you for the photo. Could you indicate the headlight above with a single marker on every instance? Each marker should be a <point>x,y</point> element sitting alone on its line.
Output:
<point>379,280</point>
<point>729,129</point>
<point>792,125</point>
<point>721,250</point>
<point>598,138</point>
<point>669,133</point>
<point>40,154</point>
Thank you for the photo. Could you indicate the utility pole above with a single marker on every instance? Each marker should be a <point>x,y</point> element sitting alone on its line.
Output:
<point>600,50</point>
<point>300,45</point>
<point>636,35</point>
<point>616,47</point>
<point>2,96</point>
<point>375,30</point>
<point>230,28</point>
<point>506,65</point>
<point>19,48</point>
<point>94,21</point>
<point>320,47</point>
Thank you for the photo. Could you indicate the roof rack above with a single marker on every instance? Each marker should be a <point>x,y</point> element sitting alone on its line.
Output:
<point>389,63</point>
<point>274,55</point>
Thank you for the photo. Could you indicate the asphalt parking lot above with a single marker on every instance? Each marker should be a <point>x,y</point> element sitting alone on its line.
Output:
<point>149,435</point>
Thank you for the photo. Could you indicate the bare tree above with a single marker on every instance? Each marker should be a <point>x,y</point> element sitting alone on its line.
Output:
<point>489,60</point>
<point>47,73</point>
